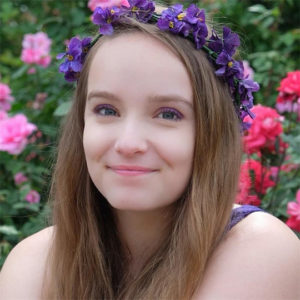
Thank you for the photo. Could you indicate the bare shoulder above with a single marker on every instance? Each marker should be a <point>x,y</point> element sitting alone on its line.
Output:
<point>258,259</point>
<point>22,274</point>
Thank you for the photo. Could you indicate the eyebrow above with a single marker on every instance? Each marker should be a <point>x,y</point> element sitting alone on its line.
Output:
<point>155,98</point>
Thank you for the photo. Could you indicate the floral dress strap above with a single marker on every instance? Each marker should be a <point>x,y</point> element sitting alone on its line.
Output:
<point>239,213</point>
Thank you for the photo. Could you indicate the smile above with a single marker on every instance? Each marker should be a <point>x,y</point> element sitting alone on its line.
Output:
<point>131,170</point>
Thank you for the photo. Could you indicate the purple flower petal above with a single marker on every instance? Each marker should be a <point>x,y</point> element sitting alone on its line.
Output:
<point>221,71</point>
<point>75,66</point>
<point>71,76</point>
<point>60,55</point>
<point>142,9</point>
<point>64,67</point>
<point>215,43</point>
<point>231,40</point>
<point>163,24</point>
<point>106,29</point>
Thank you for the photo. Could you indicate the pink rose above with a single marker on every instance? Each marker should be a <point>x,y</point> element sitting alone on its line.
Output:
<point>33,197</point>
<point>3,115</point>
<point>265,129</point>
<point>5,97</point>
<point>31,70</point>
<point>248,71</point>
<point>293,209</point>
<point>262,181</point>
<point>289,89</point>
<point>38,40</point>
<point>20,178</point>
<point>14,132</point>
<point>92,4</point>
<point>36,48</point>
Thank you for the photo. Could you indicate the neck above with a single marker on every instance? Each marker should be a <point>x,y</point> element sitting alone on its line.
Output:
<point>141,233</point>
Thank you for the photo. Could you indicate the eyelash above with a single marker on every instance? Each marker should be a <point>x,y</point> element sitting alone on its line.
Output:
<point>98,108</point>
<point>178,116</point>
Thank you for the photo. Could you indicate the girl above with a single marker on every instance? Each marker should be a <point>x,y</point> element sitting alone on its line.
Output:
<point>146,175</point>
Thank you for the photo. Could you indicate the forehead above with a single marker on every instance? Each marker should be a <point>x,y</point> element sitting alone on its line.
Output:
<point>136,61</point>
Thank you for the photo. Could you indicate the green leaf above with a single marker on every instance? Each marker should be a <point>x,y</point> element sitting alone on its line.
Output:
<point>63,109</point>
<point>9,230</point>
<point>21,71</point>
<point>258,8</point>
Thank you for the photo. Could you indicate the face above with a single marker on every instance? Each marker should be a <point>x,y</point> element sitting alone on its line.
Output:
<point>139,123</point>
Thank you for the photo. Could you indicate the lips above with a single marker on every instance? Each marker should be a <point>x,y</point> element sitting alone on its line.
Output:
<point>131,170</point>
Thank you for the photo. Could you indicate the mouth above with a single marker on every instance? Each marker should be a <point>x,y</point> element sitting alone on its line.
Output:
<point>131,170</point>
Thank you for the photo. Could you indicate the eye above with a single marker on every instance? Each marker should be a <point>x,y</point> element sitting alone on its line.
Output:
<point>105,110</point>
<point>170,114</point>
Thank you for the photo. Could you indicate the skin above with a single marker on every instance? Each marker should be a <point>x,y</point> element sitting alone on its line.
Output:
<point>139,113</point>
<point>258,259</point>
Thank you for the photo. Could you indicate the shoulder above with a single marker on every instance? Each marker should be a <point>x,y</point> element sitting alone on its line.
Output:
<point>22,274</point>
<point>258,259</point>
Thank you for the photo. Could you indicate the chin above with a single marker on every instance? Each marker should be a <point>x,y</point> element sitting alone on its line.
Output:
<point>136,205</point>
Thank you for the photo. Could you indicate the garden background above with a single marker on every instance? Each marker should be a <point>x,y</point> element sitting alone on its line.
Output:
<point>34,98</point>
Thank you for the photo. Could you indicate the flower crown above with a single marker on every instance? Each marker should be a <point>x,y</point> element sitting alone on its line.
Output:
<point>189,23</point>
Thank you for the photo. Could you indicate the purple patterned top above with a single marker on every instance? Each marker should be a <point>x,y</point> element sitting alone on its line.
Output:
<point>240,213</point>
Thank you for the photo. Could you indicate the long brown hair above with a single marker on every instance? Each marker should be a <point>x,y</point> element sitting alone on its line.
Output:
<point>86,260</point>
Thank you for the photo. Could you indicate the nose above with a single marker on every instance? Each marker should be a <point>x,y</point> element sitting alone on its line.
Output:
<point>131,140</point>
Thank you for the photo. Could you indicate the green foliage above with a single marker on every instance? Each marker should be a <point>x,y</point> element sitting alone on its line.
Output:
<point>60,20</point>
<point>270,35</point>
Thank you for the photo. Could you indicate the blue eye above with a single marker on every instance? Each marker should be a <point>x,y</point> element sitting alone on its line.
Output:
<point>105,110</point>
<point>170,114</point>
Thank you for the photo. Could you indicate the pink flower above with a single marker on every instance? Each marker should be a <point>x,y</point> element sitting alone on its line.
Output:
<point>3,115</point>
<point>14,132</point>
<point>289,89</point>
<point>286,106</point>
<point>31,70</point>
<point>5,97</point>
<point>33,197</point>
<point>38,40</point>
<point>293,209</point>
<point>20,178</point>
<point>248,71</point>
<point>39,100</point>
<point>255,179</point>
<point>92,4</point>
<point>265,129</point>
<point>36,48</point>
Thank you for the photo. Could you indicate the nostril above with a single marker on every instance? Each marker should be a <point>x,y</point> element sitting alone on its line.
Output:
<point>130,146</point>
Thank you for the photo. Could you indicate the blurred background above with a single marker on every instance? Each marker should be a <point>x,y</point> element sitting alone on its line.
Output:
<point>34,98</point>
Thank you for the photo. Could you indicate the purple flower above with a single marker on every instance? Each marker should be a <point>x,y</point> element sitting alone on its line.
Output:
<point>245,89</point>
<point>85,46</point>
<point>172,19</point>
<point>200,35</point>
<point>71,76</point>
<point>196,17</point>
<point>215,43</point>
<point>75,54</point>
<point>229,43</point>
<point>229,67</point>
<point>143,9</point>
<point>104,18</point>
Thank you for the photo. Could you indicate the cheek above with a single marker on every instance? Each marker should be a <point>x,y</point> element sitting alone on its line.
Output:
<point>178,149</point>
<point>95,141</point>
